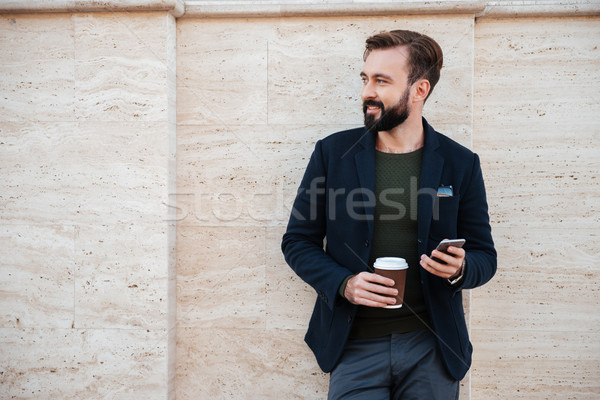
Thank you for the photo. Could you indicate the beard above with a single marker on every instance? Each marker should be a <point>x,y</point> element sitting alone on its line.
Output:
<point>389,119</point>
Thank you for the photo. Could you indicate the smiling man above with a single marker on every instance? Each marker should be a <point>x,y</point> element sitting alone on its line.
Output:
<point>394,188</point>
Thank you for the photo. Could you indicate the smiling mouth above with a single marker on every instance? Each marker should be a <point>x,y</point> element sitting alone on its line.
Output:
<point>372,109</point>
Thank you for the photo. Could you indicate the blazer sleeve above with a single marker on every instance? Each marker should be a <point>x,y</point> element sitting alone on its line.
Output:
<point>474,226</point>
<point>303,241</point>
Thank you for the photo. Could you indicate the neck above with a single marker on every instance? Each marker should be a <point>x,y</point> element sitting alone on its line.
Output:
<point>404,138</point>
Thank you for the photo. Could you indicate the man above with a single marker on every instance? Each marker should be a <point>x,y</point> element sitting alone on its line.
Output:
<point>394,188</point>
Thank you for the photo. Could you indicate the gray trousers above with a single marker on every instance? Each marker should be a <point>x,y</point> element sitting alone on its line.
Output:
<point>403,366</point>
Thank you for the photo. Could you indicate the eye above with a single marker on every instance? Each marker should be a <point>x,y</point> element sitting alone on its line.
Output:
<point>380,81</point>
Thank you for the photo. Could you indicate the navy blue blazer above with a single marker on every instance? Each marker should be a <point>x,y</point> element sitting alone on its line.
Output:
<point>329,234</point>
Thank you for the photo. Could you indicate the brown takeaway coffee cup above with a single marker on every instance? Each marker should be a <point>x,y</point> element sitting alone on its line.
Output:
<point>393,268</point>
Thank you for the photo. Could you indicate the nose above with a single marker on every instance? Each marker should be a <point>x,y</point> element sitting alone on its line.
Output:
<point>367,92</point>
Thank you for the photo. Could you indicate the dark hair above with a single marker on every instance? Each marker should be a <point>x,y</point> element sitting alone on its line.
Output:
<point>425,54</point>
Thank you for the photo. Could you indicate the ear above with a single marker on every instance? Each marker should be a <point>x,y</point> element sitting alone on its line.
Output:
<point>421,90</point>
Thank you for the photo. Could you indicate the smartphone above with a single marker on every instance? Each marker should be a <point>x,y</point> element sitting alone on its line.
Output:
<point>444,244</point>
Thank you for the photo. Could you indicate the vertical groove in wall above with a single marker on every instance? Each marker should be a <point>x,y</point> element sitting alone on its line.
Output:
<point>469,374</point>
<point>467,293</point>
<point>472,92</point>
<point>171,59</point>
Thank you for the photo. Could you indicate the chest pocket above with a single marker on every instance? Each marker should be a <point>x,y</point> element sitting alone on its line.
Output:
<point>444,218</point>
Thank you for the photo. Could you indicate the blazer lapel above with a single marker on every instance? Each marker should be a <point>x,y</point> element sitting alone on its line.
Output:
<point>431,172</point>
<point>365,168</point>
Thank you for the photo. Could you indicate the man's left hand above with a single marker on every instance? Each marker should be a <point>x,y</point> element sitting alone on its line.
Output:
<point>450,265</point>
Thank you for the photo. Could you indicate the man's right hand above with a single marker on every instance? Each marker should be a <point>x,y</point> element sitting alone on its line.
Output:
<point>371,290</point>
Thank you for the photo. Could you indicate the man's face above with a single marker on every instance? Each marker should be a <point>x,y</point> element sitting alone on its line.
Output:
<point>385,94</point>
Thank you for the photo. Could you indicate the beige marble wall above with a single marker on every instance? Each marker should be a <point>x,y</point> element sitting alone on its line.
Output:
<point>522,93</point>
<point>536,106</point>
<point>87,161</point>
<point>253,97</point>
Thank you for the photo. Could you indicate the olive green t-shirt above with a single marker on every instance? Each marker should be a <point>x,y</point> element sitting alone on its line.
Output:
<point>395,235</point>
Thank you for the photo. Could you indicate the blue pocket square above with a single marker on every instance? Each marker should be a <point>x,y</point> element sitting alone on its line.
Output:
<point>445,191</point>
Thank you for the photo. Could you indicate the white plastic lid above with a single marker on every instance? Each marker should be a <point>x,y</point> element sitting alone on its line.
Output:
<point>390,263</point>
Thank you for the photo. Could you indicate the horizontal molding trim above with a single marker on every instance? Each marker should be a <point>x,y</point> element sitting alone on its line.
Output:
<point>314,8</point>
<point>175,7</point>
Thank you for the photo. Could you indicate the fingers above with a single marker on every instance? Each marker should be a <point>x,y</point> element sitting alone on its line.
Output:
<point>457,251</point>
<point>370,290</point>
<point>436,268</point>
<point>444,265</point>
